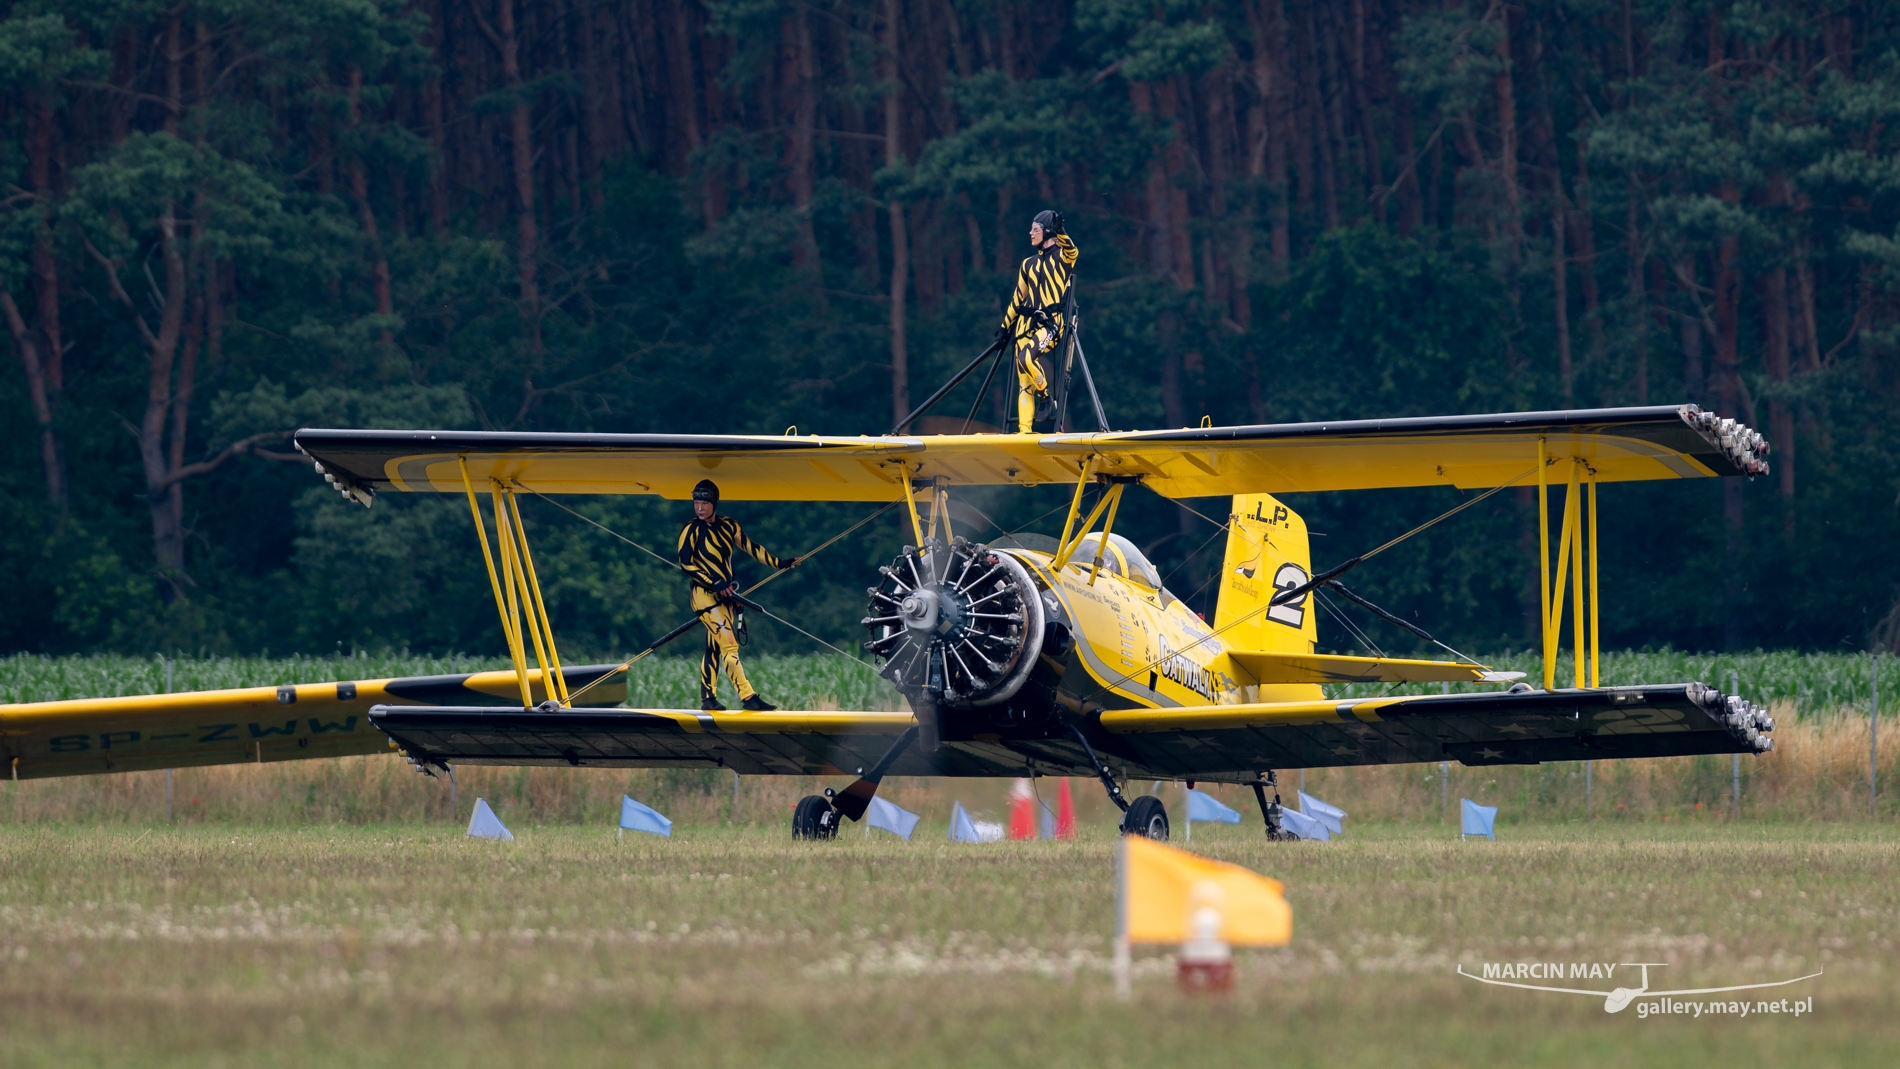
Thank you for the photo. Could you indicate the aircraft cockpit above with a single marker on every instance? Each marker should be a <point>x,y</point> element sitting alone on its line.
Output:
<point>1122,558</point>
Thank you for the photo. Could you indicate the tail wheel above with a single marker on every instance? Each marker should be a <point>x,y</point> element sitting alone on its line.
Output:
<point>1146,817</point>
<point>815,818</point>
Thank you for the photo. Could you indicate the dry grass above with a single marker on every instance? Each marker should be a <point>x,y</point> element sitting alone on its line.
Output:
<point>1817,772</point>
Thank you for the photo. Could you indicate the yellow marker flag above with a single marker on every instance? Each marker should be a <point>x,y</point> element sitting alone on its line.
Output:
<point>1156,882</point>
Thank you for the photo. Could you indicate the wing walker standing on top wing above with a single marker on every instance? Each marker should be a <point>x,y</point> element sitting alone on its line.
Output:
<point>1026,655</point>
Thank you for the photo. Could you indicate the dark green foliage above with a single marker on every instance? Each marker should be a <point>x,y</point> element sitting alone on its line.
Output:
<point>1287,210</point>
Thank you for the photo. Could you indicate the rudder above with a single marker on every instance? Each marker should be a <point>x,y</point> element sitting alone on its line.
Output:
<point>1267,552</point>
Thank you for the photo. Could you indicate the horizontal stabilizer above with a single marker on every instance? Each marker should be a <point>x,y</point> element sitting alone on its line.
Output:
<point>1268,666</point>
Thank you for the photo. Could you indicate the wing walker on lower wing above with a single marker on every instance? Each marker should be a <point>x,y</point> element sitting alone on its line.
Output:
<point>1025,655</point>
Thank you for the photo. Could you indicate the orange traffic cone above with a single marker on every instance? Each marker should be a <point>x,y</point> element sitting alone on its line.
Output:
<point>1022,811</point>
<point>1065,813</point>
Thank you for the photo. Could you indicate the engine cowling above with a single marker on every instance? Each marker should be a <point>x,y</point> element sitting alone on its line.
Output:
<point>957,625</point>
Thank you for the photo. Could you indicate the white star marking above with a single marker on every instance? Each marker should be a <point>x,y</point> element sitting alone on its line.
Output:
<point>1521,729</point>
<point>1488,752</point>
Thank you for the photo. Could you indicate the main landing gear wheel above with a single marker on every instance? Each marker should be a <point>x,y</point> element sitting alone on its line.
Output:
<point>1146,817</point>
<point>815,818</point>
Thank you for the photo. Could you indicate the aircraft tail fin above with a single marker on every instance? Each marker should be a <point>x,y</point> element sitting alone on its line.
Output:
<point>1267,552</point>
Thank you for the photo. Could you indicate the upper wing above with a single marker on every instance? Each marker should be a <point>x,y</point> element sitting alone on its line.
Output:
<point>218,727</point>
<point>1620,444</point>
<point>1216,743</point>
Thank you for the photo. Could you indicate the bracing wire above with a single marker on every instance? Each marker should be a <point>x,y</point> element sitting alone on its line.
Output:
<point>629,662</point>
<point>1294,594</point>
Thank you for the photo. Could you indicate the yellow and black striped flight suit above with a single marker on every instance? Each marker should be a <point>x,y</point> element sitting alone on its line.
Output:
<point>1042,285</point>
<point>705,553</point>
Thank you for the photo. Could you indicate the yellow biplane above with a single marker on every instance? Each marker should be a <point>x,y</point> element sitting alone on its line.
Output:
<point>1023,656</point>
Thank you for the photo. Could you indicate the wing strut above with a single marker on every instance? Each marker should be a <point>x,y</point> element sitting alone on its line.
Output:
<point>1580,497</point>
<point>510,622</point>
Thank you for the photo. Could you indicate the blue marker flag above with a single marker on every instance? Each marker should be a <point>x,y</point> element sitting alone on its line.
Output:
<point>1478,819</point>
<point>636,817</point>
<point>1304,826</point>
<point>1045,821</point>
<point>1330,815</point>
<point>897,821</point>
<point>962,829</point>
<point>1207,808</point>
<point>484,824</point>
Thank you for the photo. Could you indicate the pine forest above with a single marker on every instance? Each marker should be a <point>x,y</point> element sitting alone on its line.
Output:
<point>227,219</point>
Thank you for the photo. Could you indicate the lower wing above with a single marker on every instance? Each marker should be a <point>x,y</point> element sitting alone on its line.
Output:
<point>218,727</point>
<point>1215,743</point>
<point>1522,726</point>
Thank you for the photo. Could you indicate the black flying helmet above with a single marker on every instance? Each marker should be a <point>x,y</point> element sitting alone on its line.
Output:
<point>706,490</point>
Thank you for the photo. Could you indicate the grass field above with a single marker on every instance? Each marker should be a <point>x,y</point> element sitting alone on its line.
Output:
<point>733,946</point>
<point>330,912</point>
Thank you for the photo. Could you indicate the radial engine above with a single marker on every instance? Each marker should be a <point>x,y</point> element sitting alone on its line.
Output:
<point>960,629</point>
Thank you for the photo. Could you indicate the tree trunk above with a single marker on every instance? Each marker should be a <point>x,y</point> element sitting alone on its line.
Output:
<point>366,216</point>
<point>1728,292</point>
<point>1584,241</point>
<point>900,233</point>
<point>1560,287</point>
<point>1638,296</point>
<point>1689,331</point>
<point>802,86</point>
<point>33,362</point>
<point>507,44</point>
<point>1174,153</point>
<point>1355,47</point>
<point>1775,357</point>
<point>168,536</point>
<point>1549,159</point>
<point>1405,139</point>
<point>1276,107</point>
<point>1506,90</point>
<point>1158,242</point>
<point>1320,115</point>
<point>43,352</point>
<point>1807,332</point>
<point>436,121</point>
